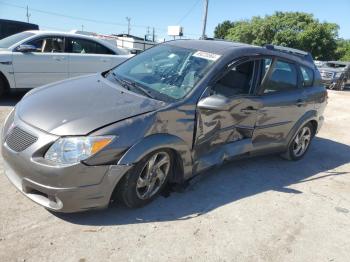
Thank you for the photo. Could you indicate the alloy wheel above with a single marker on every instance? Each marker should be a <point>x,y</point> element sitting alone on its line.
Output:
<point>301,141</point>
<point>153,175</point>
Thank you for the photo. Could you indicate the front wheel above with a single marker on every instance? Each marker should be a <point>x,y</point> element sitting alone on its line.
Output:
<point>300,143</point>
<point>142,184</point>
<point>342,85</point>
<point>2,86</point>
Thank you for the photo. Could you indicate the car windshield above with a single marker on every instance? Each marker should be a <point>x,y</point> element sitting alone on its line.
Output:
<point>335,65</point>
<point>13,39</point>
<point>166,70</point>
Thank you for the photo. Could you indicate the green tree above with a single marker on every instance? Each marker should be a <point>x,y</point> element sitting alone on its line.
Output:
<point>292,29</point>
<point>222,29</point>
<point>343,50</point>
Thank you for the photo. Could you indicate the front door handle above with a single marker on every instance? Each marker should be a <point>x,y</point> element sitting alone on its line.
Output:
<point>300,102</point>
<point>249,110</point>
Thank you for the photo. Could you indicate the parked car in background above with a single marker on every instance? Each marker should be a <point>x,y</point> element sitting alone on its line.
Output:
<point>163,116</point>
<point>319,64</point>
<point>11,27</point>
<point>34,58</point>
<point>335,74</point>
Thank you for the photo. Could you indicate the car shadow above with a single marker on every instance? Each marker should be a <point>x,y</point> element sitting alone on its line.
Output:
<point>231,182</point>
<point>12,98</point>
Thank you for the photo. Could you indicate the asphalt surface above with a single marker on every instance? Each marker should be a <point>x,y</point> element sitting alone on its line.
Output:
<point>260,209</point>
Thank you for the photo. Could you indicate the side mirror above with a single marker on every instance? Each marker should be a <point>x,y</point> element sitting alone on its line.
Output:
<point>214,102</point>
<point>134,51</point>
<point>26,48</point>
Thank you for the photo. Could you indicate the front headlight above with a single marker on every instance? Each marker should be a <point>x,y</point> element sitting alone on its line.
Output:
<point>72,150</point>
<point>337,75</point>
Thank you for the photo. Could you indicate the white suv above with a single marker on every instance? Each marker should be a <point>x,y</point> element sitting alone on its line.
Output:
<point>34,58</point>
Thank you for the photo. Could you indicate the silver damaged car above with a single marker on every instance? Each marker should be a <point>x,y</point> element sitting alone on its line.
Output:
<point>161,117</point>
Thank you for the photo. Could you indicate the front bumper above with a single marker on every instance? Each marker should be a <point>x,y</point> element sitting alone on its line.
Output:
<point>327,82</point>
<point>63,189</point>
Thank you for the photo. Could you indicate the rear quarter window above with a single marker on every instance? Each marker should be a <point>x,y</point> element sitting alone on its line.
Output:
<point>307,76</point>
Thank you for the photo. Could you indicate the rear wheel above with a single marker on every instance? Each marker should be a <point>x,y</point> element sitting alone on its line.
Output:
<point>300,143</point>
<point>142,184</point>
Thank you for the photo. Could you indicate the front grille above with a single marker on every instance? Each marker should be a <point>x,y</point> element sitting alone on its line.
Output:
<point>18,139</point>
<point>326,74</point>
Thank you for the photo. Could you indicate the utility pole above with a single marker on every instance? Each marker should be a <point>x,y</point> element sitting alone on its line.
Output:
<point>153,34</point>
<point>129,28</point>
<point>206,2</point>
<point>82,28</point>
<point>28,15</point>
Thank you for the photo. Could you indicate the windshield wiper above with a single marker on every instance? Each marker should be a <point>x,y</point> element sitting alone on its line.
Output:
<point>120,81</point>
<point>127,84</point>
<point>139,87</point>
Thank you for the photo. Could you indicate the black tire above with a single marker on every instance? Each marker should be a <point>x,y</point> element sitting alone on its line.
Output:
<point>292,152</point>
<point>3,86</point>
<point>128,190</point>
<point>342,85</point>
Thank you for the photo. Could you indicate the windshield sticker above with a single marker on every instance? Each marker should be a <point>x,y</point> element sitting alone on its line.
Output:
<point>206,55</point>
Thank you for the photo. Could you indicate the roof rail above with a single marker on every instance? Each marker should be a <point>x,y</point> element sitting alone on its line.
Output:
<point>292,51</point>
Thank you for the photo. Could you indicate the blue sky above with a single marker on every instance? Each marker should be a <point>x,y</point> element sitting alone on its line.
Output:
<point>109,15</point>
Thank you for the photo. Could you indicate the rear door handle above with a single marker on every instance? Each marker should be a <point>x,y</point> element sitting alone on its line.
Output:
<point>300,102</point>
<point>249,110</point>
<point>58,58</point>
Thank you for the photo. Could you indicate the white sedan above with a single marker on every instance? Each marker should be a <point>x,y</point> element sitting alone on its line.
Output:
<point>34,58</point>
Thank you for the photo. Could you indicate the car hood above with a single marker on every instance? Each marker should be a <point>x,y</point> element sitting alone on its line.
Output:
<point>331,69</point>
<point>81,105</point>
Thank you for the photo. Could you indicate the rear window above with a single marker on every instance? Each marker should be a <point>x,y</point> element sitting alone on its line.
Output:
<point>308,76</point>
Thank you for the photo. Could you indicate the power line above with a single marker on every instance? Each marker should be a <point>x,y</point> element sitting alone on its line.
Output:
<point>74,17</point>
<point>95,20</point>
<point>188,12</point>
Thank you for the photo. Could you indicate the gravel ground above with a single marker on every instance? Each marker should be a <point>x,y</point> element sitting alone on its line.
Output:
<point>260,209</point>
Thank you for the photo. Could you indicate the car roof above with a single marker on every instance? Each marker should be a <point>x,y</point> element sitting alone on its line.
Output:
<point>232,49</point>
<point>213,46</point>
<point>67,34</point>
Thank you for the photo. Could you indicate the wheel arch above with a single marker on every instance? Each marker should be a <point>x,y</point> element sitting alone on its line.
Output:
<point>310,116</point>
<point>4,78</point>
<point>182,153</point>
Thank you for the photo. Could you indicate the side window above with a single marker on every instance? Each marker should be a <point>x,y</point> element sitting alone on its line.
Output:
<point>238,81</point>
<point>82,46</point>
<point>265,66</point>
<point>100,49</point>
<point>48,45</point>
<point>284,77</point>
<point>308,76</point>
